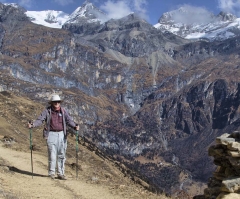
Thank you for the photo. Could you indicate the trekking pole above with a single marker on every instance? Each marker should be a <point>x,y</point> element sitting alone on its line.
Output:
<point>77,154</point>
<point>31,147</point>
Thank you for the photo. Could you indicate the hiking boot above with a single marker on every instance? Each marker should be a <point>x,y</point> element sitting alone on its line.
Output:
<point>62,177</point>
<point>52,177</point>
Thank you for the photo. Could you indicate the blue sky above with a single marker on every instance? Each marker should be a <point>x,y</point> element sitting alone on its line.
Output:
<point>151,10</point>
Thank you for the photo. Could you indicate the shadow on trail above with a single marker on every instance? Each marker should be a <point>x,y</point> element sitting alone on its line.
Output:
<point>14,169</point>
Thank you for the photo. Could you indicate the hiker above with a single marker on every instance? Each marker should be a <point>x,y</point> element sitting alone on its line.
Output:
<point>56,118</point>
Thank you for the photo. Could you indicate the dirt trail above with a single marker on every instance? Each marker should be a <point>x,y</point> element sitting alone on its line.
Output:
<point>16,178</point>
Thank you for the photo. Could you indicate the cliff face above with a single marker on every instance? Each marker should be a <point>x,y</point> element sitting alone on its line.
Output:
<point>149,99</point>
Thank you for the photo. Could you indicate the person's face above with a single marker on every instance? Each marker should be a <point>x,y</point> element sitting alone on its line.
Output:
<point>56,104</point>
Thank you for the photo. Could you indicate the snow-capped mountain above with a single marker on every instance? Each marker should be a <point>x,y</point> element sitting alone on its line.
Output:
<point>15,5</point>
<point>185,22</point>
<point>88,13</point>
<point>190,24</point>
<point>49,18</point>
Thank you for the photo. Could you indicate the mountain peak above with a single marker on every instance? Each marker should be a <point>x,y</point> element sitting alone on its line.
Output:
<point>225,16</point>
<point>86,2</point>
<point>15,5</point>
<point>198,23</point>
<point>87,12</point>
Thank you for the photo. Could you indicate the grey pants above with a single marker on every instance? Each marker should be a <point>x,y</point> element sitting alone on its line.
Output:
<point>57,146</point>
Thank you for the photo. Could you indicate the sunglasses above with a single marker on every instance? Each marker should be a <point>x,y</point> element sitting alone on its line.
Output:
<point>55,102</point>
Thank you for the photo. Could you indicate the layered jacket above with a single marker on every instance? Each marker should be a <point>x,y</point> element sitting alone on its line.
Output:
<point>45,116</point>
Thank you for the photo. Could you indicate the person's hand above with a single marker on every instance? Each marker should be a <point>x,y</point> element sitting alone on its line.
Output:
<point>30,124</point>
<point>77,127</point>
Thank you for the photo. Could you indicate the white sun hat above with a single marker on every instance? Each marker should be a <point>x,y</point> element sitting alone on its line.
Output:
<point>54,98</point>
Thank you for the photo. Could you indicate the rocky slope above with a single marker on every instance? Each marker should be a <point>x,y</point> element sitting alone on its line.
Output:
<point>151,100</point>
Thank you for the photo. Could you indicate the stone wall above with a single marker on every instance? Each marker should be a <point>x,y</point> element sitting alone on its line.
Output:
<point>225,182</point>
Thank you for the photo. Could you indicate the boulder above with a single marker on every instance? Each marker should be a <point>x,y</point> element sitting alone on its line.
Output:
<point>235,154</point>
<point>231,185</point>
<point>224,140</point>
<point>228,196</point>
<point>234,146</point>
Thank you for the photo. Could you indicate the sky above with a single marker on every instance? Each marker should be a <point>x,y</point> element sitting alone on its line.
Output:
<point>150,10</point>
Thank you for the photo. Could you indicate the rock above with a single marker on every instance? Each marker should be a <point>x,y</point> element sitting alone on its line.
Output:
<point>222,161</point>
<point>213,191</point>
<point>230,172</point>
<point>235,134</point>
<point>219,176</point>
<point>4,168</point>
<point>224,140</point>
<point>234,161</point>
<point>95,179</point>
<point>108,175</point>
<point>225,183</point>
<point>213,182</point>
<point>225,135</point>
<point>212,151</point>
<point>234,146</point>
<point>231,185</point>
<point>199,197</point>
<point>228,196</point>
<point>235,154</point>
<point>122,186</point>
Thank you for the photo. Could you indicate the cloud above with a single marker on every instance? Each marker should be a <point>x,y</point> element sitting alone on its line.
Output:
<point>63,2</point>
<point>140,8</point>
<point>188,14</point>
<point>121,8</point>
<point>116,10</point>
<point>232,6</point>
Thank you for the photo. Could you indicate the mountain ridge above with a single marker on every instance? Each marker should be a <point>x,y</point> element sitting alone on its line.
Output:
<point>210,27</point>
<point>199,25</point>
